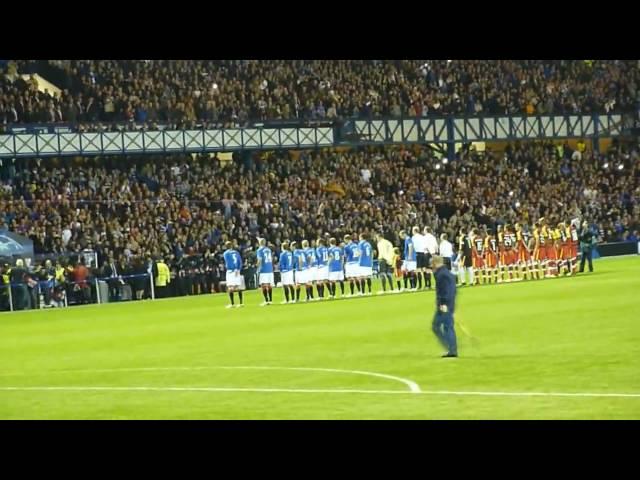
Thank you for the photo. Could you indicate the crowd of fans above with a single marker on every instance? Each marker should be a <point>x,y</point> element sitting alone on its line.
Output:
<point>134,210</point>
<point>236,92</point>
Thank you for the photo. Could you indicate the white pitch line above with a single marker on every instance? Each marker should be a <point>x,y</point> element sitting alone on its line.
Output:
<point>304,390</point>
<point>413,386</point>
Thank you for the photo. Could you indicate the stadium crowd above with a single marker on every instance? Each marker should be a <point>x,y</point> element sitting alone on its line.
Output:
<point>133,211</point>
<point>236,92</point>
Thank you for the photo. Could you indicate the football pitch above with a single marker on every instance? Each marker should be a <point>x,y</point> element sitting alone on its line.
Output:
<point>564,348</point>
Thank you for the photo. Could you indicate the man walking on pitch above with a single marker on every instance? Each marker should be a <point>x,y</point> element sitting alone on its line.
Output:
<point>445,305</point>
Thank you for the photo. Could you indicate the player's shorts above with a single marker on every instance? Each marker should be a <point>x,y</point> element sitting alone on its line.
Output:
<point>565,252</point>
<point>523,255</point>
<point>234,279</point>
<point>336,276</point>
<point>265,279</point>
<point>428,257</point>
<point>322,273</point>
<point>574,250</point>
<point>302,277</point>
<point>351,270</point>
<point>365,271</point>
<point>540,254</point>
<point>421,260</point>
<point>478,262</point>
<point>383,267</point>
<point>409,266</point>
<point>506,258</point>
<point>312,273</point>
<point>551,252</point>
<point>490,260</point>
<point>287,278</point>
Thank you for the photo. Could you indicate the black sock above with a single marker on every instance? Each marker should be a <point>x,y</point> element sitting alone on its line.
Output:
<point>292,291</point>
<point>240,296</point>
<point>298,293</point>
<point>399,284</point>
<point>231,297</point>
<point>413,281</point>
<point>286,292</point>
<point>341,287</point>
<point>311,291</point>
<point>358,285</point>
<point>351,286</point>
<point>270,291</point>
<point>362,285</point>
<point>265,295</point>
<point>427,279</point>
<point>369,284</point>
<point>406,279</point>
<point>320,288</point>
<point>419,278</point>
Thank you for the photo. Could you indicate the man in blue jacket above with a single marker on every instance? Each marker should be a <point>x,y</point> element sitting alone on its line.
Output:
<point>445,305</point>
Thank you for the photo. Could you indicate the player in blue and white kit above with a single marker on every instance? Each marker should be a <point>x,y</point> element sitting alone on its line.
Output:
<point>322,267</point>
<point>233,265</point>
<point>310,255</point>
<point>352,262</point>
<point>286,273</point>
<point>366,263</point>
<point>299,268</point>
<point>265,271</point>
<point>336,268</point>
<point>409,264</point>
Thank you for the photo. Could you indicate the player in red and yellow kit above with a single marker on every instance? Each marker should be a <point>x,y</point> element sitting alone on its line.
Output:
<point>491,256</point>
<point>511,247</point>
<point>551,253</point>
<point>540,249</point>
<point>573,230</point>
<point>477,248</point>
<point>524,256</point>
<point>564,251</point>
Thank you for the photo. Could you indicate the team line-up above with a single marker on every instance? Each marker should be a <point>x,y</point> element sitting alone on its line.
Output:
<point>512,253</point>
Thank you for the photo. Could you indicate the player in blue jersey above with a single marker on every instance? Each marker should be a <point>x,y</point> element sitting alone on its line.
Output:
<point>336,267</point>
<point>286,273</point>
<point>365,264</point>
<point>409,264</point>
<point>299,268</point>
<point>233,265</point>
<point>310,255</point>
<point>265,271</point>
<point>322,267</point>
<point>351,266</point>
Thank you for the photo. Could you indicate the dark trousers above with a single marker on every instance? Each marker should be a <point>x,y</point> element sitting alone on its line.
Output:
<point>442,326</point>
<point>160,292</point>
<point>586,255</point>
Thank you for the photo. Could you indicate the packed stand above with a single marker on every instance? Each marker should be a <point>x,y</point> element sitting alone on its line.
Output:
<point>133,211</point>
<point>225,93</point>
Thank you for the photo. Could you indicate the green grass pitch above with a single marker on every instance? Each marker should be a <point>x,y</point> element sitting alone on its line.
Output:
<point>553,349</point>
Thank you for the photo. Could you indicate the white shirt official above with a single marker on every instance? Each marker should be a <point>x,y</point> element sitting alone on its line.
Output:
<point>431,243</point>
<point>419,243</point>
<point>446,249</point>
